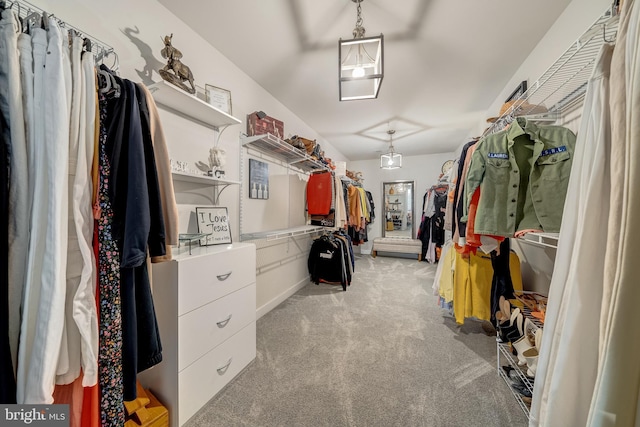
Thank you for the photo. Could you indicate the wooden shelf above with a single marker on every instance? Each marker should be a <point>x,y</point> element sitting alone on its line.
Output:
<point>218,185</point>
<point>201,179</point>
<point>190,106</point>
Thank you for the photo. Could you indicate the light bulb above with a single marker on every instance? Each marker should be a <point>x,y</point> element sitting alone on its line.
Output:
<point>390,161</point>
<point>358,72</point>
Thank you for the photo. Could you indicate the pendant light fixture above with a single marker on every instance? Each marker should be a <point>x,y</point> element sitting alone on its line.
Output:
<point>361,63</point>
<point>391,160</point>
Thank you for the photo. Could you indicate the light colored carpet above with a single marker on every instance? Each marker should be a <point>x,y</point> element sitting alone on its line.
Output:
<point>380,354</point>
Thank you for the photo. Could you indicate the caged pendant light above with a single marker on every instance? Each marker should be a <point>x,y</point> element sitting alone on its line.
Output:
<point>361,63</point>
<point>391,160</point>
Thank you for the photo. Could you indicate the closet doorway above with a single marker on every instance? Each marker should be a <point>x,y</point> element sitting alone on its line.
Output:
<point>397,202</point>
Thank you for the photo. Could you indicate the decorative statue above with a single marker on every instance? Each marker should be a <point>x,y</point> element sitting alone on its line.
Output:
<point>175,71</point>
<point>217,158</point>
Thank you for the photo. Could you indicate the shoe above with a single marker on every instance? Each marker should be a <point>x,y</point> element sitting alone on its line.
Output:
<point>522,389</point>
<point>507,369</point>
<point>531,357</point>
<point>513,331</point>
<point>488,328</point>
<point>505,307</point>
<point>521,345</point>
<point>538,338</point>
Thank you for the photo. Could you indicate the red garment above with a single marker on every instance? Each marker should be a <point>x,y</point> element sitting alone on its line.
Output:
<point>91,407</point>
<point>473,239</point>
<point>320,193</point>
<point>91,399</point>
<point>73,395</point>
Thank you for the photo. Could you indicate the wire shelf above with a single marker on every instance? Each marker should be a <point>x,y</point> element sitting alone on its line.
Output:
<point>505,356</point>
<point>98,47</point>
<point>549,240</point>
<point>516,395</point>
<point>283,234</point>
<point>563,86</point>
<point>276,148</point>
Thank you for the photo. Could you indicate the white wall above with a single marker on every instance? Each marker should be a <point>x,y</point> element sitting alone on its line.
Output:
<point>135,29</point>
<point>423,170</point>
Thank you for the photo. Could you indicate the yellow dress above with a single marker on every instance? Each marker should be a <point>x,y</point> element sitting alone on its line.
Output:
<point>472,285</point>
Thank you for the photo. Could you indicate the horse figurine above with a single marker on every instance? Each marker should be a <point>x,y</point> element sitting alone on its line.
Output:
<point>175,71</point>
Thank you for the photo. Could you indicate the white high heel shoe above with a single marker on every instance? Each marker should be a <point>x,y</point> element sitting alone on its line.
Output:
<point>531,355</point>
<point>524,343</point>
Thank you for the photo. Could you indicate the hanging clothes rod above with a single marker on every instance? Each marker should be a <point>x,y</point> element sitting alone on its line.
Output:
<point>563,84</point>
<point>99,48</point>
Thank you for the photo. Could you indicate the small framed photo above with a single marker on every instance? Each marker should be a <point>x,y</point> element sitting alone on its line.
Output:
<point>258,179</point>
<point>518,92</point>
<point>218,97</point>
<point>214,222</point>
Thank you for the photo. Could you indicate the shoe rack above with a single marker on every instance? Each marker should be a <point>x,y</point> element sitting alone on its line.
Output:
<point>514,375</point>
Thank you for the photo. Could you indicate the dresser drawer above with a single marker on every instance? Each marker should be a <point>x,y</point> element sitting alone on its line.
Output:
<point>199,382</point>
<point>206,327</point>
<point>203,279</point>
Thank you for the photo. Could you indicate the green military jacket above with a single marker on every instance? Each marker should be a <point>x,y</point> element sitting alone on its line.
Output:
<point>522,173</point>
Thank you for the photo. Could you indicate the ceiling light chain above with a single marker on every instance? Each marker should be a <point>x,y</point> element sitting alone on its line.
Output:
<point>359,30</point>
<point>391,132</point>
<point>391,160</point>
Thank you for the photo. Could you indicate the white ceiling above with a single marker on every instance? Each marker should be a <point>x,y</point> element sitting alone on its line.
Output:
<point>445,61</point>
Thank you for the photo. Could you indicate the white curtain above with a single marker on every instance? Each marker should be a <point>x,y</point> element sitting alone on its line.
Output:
<point>575,293</point>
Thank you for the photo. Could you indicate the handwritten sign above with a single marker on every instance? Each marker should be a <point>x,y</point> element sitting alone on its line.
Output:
<point>214,221</point>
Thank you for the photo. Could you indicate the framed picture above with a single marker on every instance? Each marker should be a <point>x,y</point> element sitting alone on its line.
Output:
<point>218,97</point>
<point>520,90</point>
<point>213,221</point>
<point>258,179</point>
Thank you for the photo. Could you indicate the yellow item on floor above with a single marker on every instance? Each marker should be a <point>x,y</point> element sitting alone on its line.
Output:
<point>145,411</point>
<point>472,285</point>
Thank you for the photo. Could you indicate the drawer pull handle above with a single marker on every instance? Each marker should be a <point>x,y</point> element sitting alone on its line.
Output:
<point>223,323</point>
<point>221,370</point>
<point>223,277</point>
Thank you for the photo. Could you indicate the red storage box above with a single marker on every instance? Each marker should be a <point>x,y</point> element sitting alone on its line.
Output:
<point>258,126</point>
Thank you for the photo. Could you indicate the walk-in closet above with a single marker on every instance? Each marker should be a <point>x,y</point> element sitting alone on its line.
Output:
<point>292,213</point>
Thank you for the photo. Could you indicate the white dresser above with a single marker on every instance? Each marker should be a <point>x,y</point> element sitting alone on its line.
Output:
<point>206,309</point>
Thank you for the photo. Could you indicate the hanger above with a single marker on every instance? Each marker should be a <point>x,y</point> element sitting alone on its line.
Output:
<point>107,84</point>
<point>45,21</point>
<point>32,19</point>
<point>100,55</point>
<point>18,13</point>
<point>87,45</point>
<point>105,53</point>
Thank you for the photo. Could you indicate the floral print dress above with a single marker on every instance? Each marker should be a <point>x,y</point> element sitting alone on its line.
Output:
<point>110,353</point>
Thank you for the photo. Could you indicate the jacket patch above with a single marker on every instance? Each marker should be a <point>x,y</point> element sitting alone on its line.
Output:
<point>498,155</point>
<point>555,150</point>
<point>327,255</point>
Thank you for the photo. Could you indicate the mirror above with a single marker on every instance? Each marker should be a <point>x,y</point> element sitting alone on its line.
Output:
<point>398,209</point>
